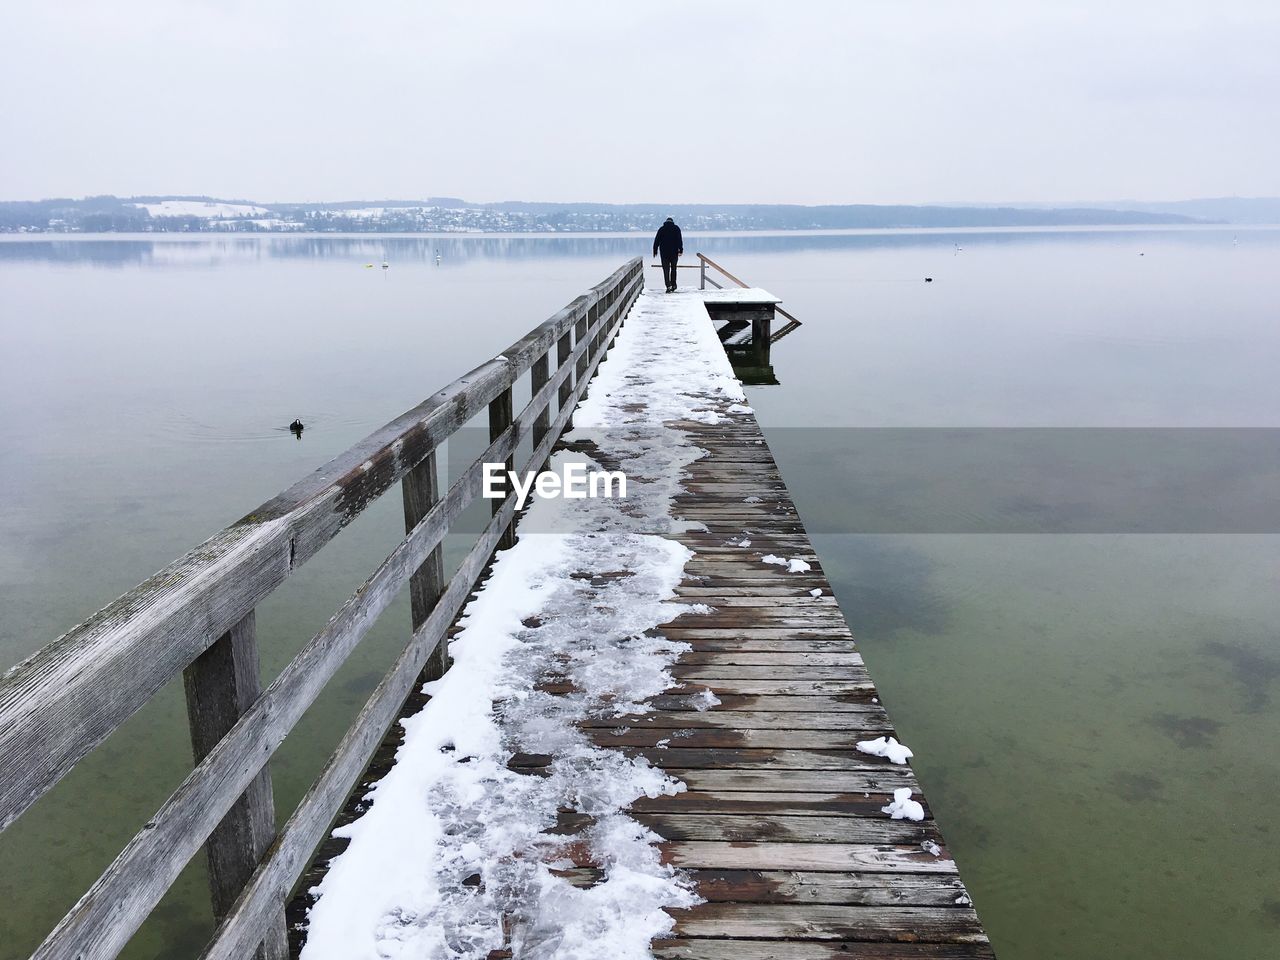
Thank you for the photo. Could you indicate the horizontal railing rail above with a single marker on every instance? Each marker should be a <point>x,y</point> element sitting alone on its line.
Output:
<point>704,262</point>
<point>195,618</point>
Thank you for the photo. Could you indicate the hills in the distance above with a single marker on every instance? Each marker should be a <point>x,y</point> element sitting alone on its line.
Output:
<point>150,214</point>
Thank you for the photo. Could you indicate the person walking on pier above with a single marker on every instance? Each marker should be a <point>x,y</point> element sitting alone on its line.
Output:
<point>669,242</point>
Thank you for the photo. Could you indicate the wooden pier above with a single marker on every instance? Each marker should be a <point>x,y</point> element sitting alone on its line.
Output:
<point>779,828</point>
<point>782,825</point>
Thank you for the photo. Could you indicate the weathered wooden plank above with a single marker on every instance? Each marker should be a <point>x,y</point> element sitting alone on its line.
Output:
<point>700,592</point>
<point>792,804</point>
<point>728,687</point>
<point>777,673</point>
<point>760,603</point>
<point>859,701</point>
<point>746,571</point>
<point>885,780</point>
<point>739,949</point>
<point>775,688</point>
<point>870,858</point>
<point>829,922</point>
<point>836,888</point>
<point>695,629</point>
<point>750,645</point>
<point>746,619</point>
<point>775,828</point>
<point>770,658</point>
<point>777,738</point>
<point>872,717</point>
<point>726,758</point>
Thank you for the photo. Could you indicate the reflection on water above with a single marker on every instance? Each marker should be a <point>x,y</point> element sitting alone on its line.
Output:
<point>1093,711</point>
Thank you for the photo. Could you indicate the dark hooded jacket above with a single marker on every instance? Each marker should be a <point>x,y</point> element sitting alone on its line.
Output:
<point>669,241</point>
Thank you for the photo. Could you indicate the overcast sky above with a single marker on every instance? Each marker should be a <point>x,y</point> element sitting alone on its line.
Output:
<point>831,101</point>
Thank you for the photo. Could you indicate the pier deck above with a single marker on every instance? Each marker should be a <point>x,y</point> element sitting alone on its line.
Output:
<point>768,838</point>
<point>781,827</point>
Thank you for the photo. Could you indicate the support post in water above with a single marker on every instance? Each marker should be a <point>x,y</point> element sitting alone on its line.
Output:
<point>500,415</point>
<point>421,491</point>
<point>221,684</point>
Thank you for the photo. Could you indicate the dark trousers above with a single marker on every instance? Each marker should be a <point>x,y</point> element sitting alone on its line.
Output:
<point>669,272</point>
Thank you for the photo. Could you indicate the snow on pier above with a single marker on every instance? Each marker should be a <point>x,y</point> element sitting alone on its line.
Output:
<point>646,745</point>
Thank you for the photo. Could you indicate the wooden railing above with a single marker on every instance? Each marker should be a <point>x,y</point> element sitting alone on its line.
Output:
<point>196,618</point>
<point>703,279</point>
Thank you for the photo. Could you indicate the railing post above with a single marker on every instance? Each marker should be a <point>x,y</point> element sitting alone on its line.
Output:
<point>563,350</point>
<point>221,684</point>
<point>420,489</point>
<point>702,272</point>
<point>500,416</point>
<point>539,374</point>
<point>597,324</point>
<point>584,359</point>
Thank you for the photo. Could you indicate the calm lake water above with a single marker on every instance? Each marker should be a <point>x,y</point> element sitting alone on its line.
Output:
<point>1044,485</point>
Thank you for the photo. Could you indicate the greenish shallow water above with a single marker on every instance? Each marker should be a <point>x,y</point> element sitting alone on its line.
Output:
<point>1094,711</point>
<point>1095,723</point>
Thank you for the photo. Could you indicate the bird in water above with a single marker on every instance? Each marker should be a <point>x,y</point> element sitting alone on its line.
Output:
<point>928,279</point>
<point>296,428</point>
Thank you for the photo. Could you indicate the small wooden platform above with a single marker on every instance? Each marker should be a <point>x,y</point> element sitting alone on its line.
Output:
<point>781,826</point>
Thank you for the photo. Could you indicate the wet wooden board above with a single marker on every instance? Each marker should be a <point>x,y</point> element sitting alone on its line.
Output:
<point>780,827</point>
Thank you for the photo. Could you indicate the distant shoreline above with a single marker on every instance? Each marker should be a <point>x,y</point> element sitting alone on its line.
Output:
<point>451,216</point>
<point>375,236</point>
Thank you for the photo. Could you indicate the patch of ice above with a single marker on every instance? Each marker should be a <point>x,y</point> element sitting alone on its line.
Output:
<point>816,592</point>
<point>772,558</point>
<point>752,500</point>
<point>739,408</point>
<point>903,807</point>
<point>931,848</point>
<point>704,700</point>
<point>886,747</point>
